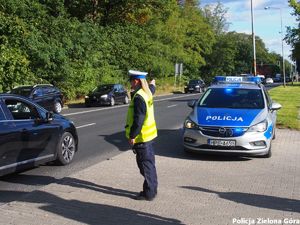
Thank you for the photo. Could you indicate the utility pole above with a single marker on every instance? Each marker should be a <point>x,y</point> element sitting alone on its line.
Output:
<point>253,40</point>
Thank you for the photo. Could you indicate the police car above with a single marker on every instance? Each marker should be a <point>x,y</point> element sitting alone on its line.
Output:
<point>235,116</point>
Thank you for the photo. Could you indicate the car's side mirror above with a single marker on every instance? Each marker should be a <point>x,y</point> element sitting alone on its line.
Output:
<point>191,103</point>
<point>275,106</point>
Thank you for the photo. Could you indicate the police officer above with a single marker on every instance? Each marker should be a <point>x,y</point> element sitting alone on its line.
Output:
<point>141,130</point>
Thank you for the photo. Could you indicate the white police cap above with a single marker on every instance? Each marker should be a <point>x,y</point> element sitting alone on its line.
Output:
<point>134,74</point>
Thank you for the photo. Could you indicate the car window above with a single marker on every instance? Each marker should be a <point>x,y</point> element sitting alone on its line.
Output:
<point>38,92</point>
<point>116,88</point>
<point>102,88</point>
<point>269,101</point>
<point>2,117</point>
<point>232,98</point>
<point>192,82</point>
<point>52,89</point>
<point>121,88</point>
<point>24,91</point>
<point>46,90</point>
<point>21,110</point>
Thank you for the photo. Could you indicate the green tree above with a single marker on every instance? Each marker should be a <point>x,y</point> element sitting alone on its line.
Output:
<point>216,17</point>
<point>293,34</point>
<point>14,62</point>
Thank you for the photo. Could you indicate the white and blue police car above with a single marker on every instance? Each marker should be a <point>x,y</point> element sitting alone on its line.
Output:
<point>234,116</point>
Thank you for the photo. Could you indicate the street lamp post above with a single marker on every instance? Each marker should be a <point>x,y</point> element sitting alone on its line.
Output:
<point>281,32</point>
<point>253,41</point>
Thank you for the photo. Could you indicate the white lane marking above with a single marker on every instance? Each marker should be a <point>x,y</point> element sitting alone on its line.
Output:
<point>170,106</point>
<point>121,106</point>
<point>93,110</point>
<point>86,125</point>
<point>159,100</point>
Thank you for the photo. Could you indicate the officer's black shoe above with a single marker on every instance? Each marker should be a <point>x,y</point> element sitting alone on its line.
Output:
<point>142,196</point>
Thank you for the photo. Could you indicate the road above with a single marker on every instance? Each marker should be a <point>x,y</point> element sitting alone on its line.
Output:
<point>101,136</point>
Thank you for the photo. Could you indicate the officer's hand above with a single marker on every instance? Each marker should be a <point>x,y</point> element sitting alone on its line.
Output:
<point>131,141</point>
<point>152,82</point>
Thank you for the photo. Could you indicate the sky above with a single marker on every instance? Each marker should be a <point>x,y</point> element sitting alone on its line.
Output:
<point>266,22</point>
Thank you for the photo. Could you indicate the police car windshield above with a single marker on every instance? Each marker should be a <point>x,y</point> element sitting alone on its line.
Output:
<point>235,98</point>
<point>24,91</point>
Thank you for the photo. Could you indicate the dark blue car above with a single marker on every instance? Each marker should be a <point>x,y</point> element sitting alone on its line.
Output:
<point>31,135</point>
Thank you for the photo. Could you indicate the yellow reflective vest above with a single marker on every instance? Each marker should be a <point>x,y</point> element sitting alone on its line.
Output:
<point>148,131</point>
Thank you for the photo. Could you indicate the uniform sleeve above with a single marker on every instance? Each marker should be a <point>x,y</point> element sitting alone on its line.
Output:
<point>152,88</point>
<point>138,117</point>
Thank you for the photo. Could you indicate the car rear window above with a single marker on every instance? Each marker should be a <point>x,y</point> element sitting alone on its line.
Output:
<point>232,98</point>
<point>103,88</point>
<point>194,82</point>
<point>24,91</point>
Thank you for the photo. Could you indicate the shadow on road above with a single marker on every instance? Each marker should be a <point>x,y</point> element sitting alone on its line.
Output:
<point>76,105</point>
<point>261,201</point>
<point>89,212</point>
<point>178,92</point>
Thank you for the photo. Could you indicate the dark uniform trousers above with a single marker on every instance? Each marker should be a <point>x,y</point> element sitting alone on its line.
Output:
<point>146,162</point>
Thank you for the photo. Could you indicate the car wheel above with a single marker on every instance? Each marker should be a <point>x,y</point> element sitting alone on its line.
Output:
<point>112,101</point>
<point>274,134</point>
<point>66,149</point>
<point>57,107</point>
<point>126,100</point>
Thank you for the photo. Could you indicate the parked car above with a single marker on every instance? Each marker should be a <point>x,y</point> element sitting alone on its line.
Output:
<point>288,79</point>
<point>195,86</point>
<point>107,94</point>
<point>46,95</point>
<point>277,79</point>
<point>31,135</point>
<point>269,80</point>
<point>235,116</point>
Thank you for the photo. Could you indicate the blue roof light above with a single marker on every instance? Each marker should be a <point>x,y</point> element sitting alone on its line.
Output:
<point>228,90</point>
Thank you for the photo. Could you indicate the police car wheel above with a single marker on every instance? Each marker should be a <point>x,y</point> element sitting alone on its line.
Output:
<point>66,149</point>
<point>274,134</point>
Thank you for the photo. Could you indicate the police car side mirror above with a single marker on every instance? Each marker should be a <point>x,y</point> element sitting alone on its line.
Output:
<point>275,106</point>
<point>191,103</point>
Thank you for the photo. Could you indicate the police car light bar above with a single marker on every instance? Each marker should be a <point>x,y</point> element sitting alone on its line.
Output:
<point>237,80</point>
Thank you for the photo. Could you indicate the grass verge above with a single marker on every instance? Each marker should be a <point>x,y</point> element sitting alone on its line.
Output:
<point>289,97</point>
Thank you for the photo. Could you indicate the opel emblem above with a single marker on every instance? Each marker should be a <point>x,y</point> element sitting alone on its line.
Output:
<point>222,130</point>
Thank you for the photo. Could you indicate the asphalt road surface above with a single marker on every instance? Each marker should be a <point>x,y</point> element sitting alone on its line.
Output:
<point>101,136</point>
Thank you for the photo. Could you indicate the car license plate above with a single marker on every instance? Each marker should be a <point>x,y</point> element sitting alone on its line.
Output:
<point>191,89</point>
<point>216,142</point>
